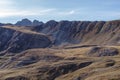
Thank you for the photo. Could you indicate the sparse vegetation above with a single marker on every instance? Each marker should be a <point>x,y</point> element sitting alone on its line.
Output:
<point>115,79</point>
<point>63,66</point>
<point>28,54</point>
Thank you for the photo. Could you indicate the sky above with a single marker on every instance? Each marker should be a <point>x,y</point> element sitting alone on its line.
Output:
<point>12,11</point>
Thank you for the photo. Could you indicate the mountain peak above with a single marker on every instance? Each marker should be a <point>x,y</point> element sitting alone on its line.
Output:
<point>36,23</point>
<point>27,22</point>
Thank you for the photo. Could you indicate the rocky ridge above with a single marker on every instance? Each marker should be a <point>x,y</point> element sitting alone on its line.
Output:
<point>13,40</point>
<point>16,38</point>
<point>83,32</point>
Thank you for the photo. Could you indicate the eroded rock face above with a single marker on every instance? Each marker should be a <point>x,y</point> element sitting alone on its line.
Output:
<point>16,41</point>
<point>103,51</point>
<point>85,32</point>
<point>28,41</point>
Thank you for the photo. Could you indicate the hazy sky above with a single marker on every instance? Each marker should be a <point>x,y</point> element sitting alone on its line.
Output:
<point>44,10</point>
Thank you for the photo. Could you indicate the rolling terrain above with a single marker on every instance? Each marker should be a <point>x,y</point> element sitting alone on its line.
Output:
<point>65,50</point>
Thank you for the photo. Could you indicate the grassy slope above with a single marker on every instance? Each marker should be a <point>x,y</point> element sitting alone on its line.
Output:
<point>96,71</point>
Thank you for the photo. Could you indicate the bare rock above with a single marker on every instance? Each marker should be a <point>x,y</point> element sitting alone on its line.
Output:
<point>103,51</point>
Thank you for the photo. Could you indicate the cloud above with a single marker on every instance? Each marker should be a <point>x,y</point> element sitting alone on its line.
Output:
<point>15,12</point>
<point>66,13</point>
<point>9,9</point>
<point>72,12</point>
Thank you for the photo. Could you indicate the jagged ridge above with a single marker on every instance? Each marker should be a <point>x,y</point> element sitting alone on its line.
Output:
<point>84,32</point>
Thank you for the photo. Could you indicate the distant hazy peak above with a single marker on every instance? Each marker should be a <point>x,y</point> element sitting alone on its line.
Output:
<point>36,23</point>
<point>27,22</point>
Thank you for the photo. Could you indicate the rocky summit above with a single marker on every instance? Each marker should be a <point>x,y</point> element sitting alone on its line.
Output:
<point>27,22</point>
<point>64,50</point>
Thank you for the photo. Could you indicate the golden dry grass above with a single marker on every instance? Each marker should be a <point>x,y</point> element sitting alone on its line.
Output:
<point>22,29</point>
<point>98,70</point>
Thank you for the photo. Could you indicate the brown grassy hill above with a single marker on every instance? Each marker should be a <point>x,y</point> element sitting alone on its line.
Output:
<point>61,64</point>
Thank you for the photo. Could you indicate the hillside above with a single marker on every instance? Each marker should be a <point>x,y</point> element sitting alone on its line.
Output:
<point>61,64</point>
<point>83,32</point>
<point>15,39</point>
<point>65,50</point>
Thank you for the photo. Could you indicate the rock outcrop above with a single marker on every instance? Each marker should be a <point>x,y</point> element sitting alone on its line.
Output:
<point>16,41</point>
<point>103,51</point>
